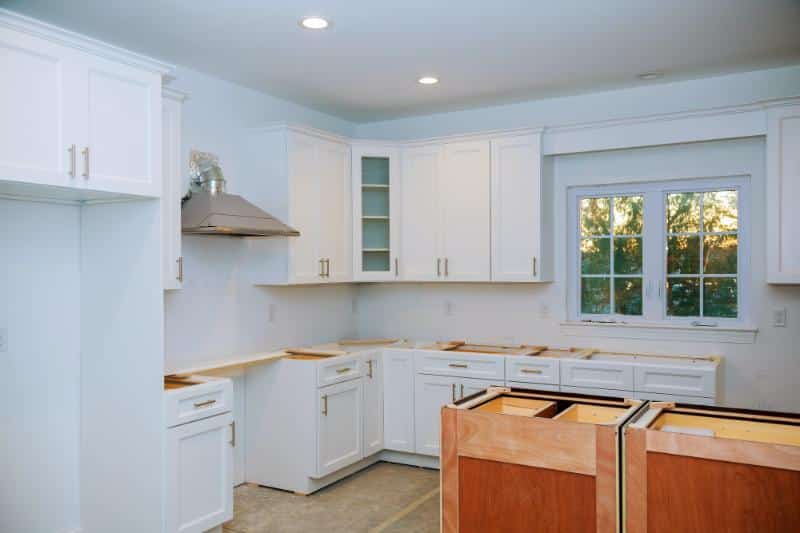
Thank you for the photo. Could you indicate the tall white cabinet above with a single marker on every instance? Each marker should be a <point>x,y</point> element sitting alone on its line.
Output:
<point>783,194</point>
<point>303,177</point>
<point>72,118</point>
<point>172,189</point>
<point>521,211</point>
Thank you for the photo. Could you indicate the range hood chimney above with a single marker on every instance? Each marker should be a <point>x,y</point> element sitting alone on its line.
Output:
<point>208,210</point>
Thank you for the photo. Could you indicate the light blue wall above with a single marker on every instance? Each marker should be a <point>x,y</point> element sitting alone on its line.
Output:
<point>647,100</point>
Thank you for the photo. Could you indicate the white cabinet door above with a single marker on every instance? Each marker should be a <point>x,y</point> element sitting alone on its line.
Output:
<point>172,192</point>
<point>430,394</point>
<point>398,400</point>
<point>199,470</point>
<point>464,208</point>
<point>305,196</point>
<point>122,148</point>
<point>339,438</point>
<point>335,212</point>
<point>39,106</point>
<point>419,219</point>
<point>373,403</point>
<point>783,194</point>
<point>517,206</point>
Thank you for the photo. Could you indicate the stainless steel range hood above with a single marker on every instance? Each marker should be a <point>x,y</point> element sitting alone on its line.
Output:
<point>209,210</point>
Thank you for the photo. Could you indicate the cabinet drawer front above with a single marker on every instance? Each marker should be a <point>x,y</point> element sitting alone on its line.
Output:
<point>466,366</point>
<point>679,381</point>
<point>339,369</point>
<point>598,374</point>
<point>198,401</point>
<point>691,400</point>
<point>532,370</point>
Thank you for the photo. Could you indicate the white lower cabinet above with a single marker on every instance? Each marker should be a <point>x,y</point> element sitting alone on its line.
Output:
<point>339,435</point>
<point>373,403</point>
<point>199,475</point>
<point>398,400</point>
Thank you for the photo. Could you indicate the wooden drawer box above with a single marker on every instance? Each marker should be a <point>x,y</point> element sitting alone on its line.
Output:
<point>514,460</point>
<point>690,468</point>
<point>195,397</point>
<point>474,365</point>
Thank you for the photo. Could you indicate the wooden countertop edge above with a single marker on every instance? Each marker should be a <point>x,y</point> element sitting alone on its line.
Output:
<point>228,363</point>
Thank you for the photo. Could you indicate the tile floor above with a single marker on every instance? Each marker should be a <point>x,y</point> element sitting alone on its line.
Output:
<point>385,497</point>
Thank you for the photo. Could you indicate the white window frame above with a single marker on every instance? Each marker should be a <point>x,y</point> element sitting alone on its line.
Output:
<point>654,254</point>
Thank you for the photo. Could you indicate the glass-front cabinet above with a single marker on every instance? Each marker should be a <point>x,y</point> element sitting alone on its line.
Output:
<point>375,183</point>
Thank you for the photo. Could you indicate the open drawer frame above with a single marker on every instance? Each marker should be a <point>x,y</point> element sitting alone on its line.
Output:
<point>677,481</point>
<point>530,473</point>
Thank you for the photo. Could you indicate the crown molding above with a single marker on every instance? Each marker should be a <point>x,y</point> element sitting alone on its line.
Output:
<point>174,94</point>
<point>15,21</point>
<point>306,130</point>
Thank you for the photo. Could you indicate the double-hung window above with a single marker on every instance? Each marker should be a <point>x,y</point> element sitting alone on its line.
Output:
<point>669,252</point>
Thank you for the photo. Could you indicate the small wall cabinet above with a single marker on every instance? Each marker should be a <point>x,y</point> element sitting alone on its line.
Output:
<point>521,212</point>
<point>78,120</point>
<point>305,181</point>
<point>376,182</point>
<point>172,188</point>
<point>783,194</point>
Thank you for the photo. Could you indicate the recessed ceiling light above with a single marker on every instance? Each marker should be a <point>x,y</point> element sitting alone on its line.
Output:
<point>314,23</point>
<point>647,76</point>
<point>428,80</point>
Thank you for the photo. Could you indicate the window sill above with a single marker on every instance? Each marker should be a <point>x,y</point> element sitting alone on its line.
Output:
<point>662,332</point>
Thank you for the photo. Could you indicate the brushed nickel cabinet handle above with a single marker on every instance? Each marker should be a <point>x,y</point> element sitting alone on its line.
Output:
<point>369,368</point>
<point>439,266</point>
<point>396,267</point>
<point>325,404</point>
<point>446,266</point>
<point>85,153</point>
<point>72,156</point>
<point>343,370</point>
<point>530,371</point>
<point>205,403</point>
<point>322,268</point>
<point>458,365</point>
<point>327,268</point>
<point>179,277</point>
<point>462,390</point>
<point>233,434</point>
<point>534,267</point>
<point>453,392</point>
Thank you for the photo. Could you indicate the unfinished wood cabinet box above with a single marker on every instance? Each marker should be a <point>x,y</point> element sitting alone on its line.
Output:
<point>521,461</point>
<point>711,469</point>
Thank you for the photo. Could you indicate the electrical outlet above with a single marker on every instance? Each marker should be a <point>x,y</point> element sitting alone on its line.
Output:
<point>354,306</point>
<point>3,340</point>
<point>271,313</point>
<point>544,311</point>
<point>779,317</point>
<point>448,308</point>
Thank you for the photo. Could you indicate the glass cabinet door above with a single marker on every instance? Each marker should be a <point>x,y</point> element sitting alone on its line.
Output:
<point>375,225</point>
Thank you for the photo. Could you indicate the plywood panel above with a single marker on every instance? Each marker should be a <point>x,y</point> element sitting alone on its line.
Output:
<point>512,498</point>
<point>449,470</point>
<point>635,471</point>
<point>606,480</point>
<point>527,441</point>
<point>691,494</point>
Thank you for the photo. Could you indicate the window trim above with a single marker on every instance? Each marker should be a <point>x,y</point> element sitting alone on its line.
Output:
<point>654,262</point>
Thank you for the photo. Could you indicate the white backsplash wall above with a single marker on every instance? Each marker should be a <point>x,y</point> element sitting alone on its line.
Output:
<point>217,313</point>
<point>761,375</point>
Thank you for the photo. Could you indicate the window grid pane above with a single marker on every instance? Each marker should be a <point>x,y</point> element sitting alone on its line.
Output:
<point>677,279</point>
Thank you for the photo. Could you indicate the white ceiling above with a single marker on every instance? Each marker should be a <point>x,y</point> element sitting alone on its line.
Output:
<point>366,65</point>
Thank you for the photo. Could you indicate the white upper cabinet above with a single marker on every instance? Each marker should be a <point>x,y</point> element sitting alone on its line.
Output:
<point>520,211</point>
<point>464,208</point>
<point>172,189</point>
<point>783,194</point>
<point>376,212</point>
<point>72,118</point>
<point>303,178</point>
<point>419,219</point>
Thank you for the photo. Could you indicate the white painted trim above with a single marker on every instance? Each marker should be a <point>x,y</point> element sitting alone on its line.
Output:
<point>305,130</point>
<point>37,28</point>
<point>662,332</point>
<point>174,94</point>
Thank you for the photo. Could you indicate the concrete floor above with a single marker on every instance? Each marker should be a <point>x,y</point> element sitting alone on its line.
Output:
<point>385,498</point>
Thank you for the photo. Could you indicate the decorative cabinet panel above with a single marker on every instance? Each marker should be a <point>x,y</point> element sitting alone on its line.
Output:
<point>172,189</point>
<point>78,120</point>
<point>376,212</point>
<point>306,182</point>
<point>398,400</point>
<point>521,214</point>
<point>339,426</point>
<point>783,194</point>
